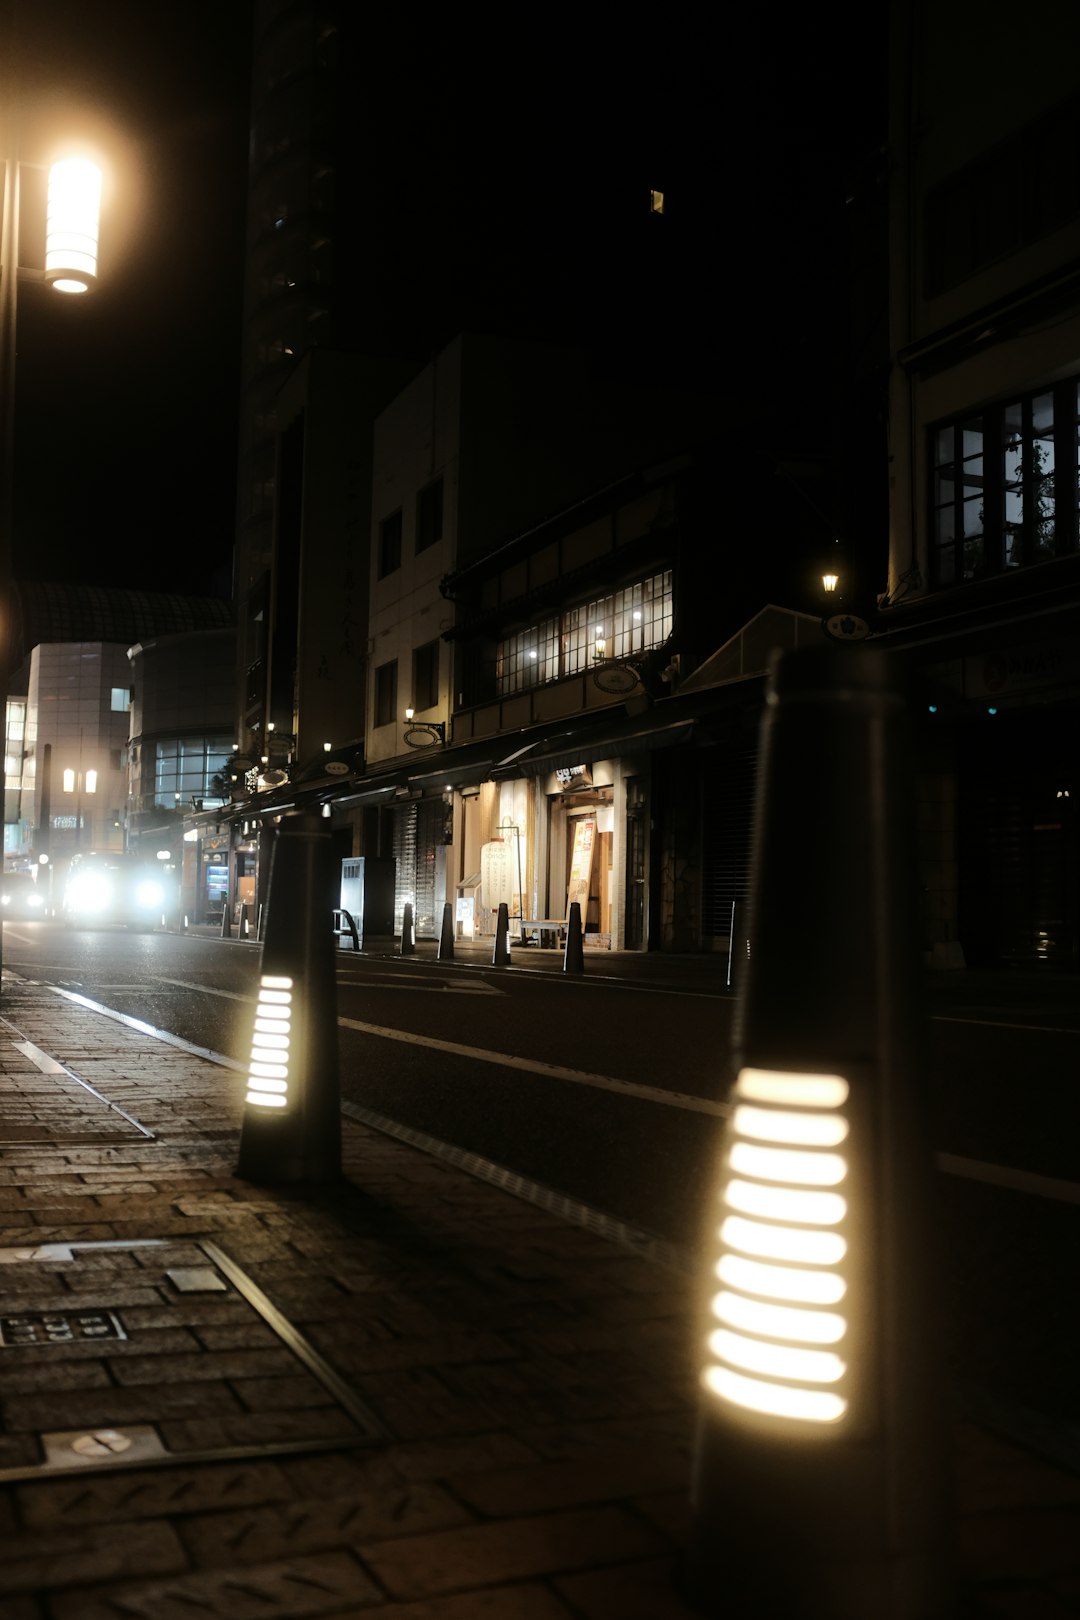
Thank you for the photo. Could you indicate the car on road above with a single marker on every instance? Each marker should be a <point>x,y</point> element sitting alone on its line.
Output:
<point>114,888</point>
<point>20,896</point>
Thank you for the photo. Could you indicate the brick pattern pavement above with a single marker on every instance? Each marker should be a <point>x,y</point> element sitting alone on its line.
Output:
<point>537,1382</point>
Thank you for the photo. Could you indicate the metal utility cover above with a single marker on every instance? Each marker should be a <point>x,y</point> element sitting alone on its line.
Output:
<point>59,1327</point>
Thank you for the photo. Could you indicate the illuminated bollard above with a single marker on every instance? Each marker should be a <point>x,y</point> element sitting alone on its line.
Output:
<point>292,1113</point>
<point>818,1488</point>
<point>574,953</point>
<point>500,956</point>
<point>446,938</point>
<point>408,935</point>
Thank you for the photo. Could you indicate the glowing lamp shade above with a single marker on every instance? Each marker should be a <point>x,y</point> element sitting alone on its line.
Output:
<point>71,227</point>
<point>777,1346</point>
<point>268,1071</point>
<point>829,582</point>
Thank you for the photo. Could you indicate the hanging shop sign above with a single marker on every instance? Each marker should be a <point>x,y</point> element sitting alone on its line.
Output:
<point>581,864</point>
<point>496,874</point>
<point>574,776</point>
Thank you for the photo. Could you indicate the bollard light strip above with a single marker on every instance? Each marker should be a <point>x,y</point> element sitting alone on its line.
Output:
<point>268,1070</point>
<point>784,1132</point>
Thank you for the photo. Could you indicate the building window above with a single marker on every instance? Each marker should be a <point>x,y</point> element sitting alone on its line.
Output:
<point>390,544</point>
<point>1004,485</point>
<point>618,626</point>
<point>184,769</point>
<point>386,693</point>
<point>120,699</point>
<point>425,676</point>
<point>429,515</point>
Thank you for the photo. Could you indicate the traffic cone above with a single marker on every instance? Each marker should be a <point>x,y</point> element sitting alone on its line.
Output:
<point>292,1116</point>
<point>446,938</point>
<point>408,937</point>
<point>574,954</point>
<point>818,1481</point>
<point>500,956</point>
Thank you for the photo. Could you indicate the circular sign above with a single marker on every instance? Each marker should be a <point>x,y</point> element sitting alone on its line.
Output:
<point>421,737</point>
<point>616,678</point>
<point>336,767</point>
<point>275,778</point>
<point>847,627</point>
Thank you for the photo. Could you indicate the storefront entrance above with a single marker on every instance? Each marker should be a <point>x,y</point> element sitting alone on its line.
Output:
<point>589,851</point>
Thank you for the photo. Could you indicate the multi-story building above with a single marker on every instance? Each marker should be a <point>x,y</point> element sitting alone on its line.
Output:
<point>984,570</point>
<point>67,769</point>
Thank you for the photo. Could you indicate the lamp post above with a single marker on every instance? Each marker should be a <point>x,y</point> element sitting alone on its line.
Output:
<point>70,267</point>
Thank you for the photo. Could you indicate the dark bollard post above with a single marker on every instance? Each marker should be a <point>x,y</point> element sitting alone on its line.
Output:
<point>500,956</point>
<point>408,936</point>
<point>226,920</point>
<point>292,1115</point>
<point>574,954</point>
<point>446,938</point>
<point>818,1477</point>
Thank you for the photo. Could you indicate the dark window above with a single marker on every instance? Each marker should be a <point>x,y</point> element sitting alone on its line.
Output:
<point>1004,486</point>
<point>425,676</point>
<point>429,515</point>
<point>1020,191</point>
<point>390,544</point>
<point>386,693</point>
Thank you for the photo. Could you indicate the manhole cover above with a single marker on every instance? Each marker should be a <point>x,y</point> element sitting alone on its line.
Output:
<point>174,1354</point>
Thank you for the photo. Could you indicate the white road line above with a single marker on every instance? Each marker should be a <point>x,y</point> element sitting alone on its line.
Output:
<point>506,1060</point>
<point>948,1163</point>
<point>987,1023</point>
<point>41,1060</point>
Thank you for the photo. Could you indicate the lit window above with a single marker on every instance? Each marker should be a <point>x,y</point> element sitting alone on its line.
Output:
<point>120,699</point>
<point>91,781</point>
<point>69,781</point>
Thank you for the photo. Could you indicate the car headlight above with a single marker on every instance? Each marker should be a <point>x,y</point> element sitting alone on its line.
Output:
<point>149,894</point>
<point>89,893</point>
<point>35,899</point>
<point>5,899</point>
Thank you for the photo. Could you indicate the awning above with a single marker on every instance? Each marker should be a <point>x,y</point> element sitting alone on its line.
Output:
<point>560,750</point>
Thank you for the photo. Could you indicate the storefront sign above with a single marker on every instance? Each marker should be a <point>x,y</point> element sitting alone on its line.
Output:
<point>65,822</point>
<point>574,776</point>
<point>581,865</point>
<point>496,874</point>
<point>1021,668</point>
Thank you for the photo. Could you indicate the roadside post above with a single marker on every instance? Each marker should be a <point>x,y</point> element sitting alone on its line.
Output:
<point>500,956</point>
<point>818,1480</point>
<point>291,1130</point>
<point>408,934</point>
<point>446,938</point>
<point>574,952</point>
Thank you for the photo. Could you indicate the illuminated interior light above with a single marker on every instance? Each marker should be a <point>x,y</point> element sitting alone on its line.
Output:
<point>71,225</point>
<point>783,1242</point>
<point>778,1321</point>
<point>276,981</point>
<point>777,1360</point>
<point>264,1084</point>
<point>268,1071</point>
<point>779,1400</point>
<point>802,1130</point>
<point>796,1090</point>
<point>788,1164</point>
<point>784,1204</point>
<point>270,1043</point>
<point>266,1099</point>
<point>781,1282</point>
<point>281,998</point>
<point>266,1025</point>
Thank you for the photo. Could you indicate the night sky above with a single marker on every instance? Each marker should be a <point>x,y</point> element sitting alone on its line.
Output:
<point>127,398</point>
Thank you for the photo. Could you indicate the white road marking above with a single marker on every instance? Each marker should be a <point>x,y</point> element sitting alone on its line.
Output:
<point>950,1164</point>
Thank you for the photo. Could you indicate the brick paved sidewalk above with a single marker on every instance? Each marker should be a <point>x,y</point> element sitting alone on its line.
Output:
<point>412,1394</point>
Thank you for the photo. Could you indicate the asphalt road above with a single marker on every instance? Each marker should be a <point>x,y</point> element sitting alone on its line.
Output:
<point>607,1091</point>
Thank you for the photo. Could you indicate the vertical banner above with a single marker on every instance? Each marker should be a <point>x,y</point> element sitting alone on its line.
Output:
<point>581,864</point>
<point>496,875</point>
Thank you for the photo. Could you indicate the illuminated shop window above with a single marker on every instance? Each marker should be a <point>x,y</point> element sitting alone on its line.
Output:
<point>621,625</point>
<point>1004,484</point>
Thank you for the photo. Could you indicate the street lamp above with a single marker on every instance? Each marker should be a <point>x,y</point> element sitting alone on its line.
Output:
<point>71,240</point>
